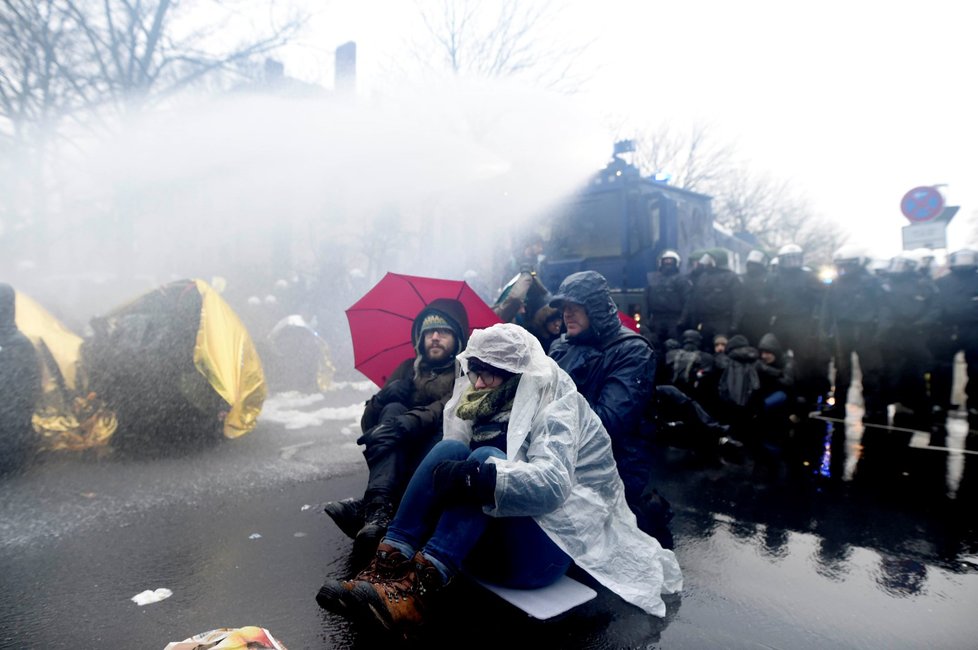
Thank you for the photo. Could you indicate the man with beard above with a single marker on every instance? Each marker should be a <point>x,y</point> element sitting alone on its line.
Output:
<point>402,422</point>
<point>20,386</point>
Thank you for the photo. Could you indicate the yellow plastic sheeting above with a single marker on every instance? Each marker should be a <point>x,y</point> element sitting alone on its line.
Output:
<point>225,355</point>
<point>65,419</point>
<point>37,325</point>
<point>84,424</point>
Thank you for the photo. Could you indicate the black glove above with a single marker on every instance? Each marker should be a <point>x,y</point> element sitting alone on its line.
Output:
<point>465,481</point>
<point>408,425</point>
<point>398,391</point>
<point>381,433</point>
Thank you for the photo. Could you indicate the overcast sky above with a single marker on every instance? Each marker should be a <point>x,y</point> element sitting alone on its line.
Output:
<point>856,103</point>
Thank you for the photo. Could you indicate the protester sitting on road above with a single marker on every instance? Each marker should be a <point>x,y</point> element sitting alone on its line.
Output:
<point>776,373</point>
<point>546,326</point>
<point>691,368</point>
<point>20,387</point>
<point>402,422</point>
<point>614,368</point>
<point>738,385</point>
<point>523,484</point>
<point>720,344</point>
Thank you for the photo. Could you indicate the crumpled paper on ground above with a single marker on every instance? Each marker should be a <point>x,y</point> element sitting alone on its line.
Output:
<point>226,638</point>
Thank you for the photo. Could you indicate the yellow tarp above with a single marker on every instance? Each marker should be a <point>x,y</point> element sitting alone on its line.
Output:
<point>37,324</point>
<point>225,355</point>
<point>66,418</point>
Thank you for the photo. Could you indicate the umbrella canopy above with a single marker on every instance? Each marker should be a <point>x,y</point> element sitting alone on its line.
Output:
<point>628,321</point>
<point>380,322</point>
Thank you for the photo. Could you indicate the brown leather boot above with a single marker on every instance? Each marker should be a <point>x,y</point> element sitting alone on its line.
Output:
<point>388,563</point>
<point>400,602</point>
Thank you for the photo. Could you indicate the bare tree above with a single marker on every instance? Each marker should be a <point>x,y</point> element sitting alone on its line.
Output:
<point>72,58</point>
<point>744,201</point>
<point>773,212</point>
<point>497,39</point>
<point>694,158</point>
<point>35,35</point>
<point>78,62</point>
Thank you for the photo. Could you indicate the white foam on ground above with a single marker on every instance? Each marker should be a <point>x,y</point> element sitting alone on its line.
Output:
<point>287,409</point>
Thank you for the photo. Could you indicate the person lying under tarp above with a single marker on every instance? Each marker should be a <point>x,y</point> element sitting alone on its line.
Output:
<point>177,367</point>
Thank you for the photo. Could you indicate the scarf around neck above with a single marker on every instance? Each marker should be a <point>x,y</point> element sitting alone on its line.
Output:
<point>481,405</point>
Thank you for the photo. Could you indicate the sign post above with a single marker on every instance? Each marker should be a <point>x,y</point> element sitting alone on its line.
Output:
<point>924,208</point>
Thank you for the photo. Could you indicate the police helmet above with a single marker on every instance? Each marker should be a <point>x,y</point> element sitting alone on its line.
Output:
<point>756,257</point>
<point>670,255</point>
<point>902,263</point>
<point>963,259</point>
<point>707,260</point>
<point>924,257</point>
<point>790,256</point>
<point>849,255</point>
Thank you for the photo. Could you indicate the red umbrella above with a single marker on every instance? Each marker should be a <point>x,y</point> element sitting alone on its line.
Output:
<point>628,321</point>
<point>380,322</point>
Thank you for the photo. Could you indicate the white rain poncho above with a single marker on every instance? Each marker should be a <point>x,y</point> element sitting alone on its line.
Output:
<point>560,470</point>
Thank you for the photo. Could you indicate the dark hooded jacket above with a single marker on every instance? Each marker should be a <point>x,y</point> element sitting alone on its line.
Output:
<point>432,384</point>
<point>612,366</point>
<point>777,376</point>
<point>20,381</point>
<point>690,364</point>
<point>739,382</point>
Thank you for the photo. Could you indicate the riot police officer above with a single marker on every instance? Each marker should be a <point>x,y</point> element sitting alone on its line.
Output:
<point>757,313</point>
<point>957,302</point>
<point>714,305</point>
<point>908,314</point>
<point>665,298</point>
<point>795,296</point>
<point>849,321</point>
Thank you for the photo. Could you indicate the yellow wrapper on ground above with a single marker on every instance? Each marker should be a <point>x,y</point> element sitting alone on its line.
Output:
<point>242,638</point>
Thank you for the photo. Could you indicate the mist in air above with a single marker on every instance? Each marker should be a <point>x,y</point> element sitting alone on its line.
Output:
<point>261,189</point>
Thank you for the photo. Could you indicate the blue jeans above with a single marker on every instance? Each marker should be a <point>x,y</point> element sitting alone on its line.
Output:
<point>775,400</point>
<point>509,551</point>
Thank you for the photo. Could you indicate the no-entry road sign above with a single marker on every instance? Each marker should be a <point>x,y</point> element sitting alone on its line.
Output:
<point>922,204</point>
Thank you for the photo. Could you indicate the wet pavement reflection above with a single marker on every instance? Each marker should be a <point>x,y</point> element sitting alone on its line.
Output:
<point>821,542</point>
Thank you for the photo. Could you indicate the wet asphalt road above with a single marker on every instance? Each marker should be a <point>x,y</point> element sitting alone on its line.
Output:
<point>804,550</point>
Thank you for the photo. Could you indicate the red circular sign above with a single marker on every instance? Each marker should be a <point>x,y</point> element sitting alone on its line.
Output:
<point>922,204</point>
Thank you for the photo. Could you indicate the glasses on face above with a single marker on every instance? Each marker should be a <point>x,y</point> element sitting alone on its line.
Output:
<point>488,377</point>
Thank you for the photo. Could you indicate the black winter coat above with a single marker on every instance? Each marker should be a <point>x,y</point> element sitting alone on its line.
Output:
<point>716,295</point>
<point>909,303</point>
<point>612,366</point>
<point>666,295</point>
<point>20,377</point>
<point>957,298</point>
<point>855,297</point>
<point>432,385</point>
